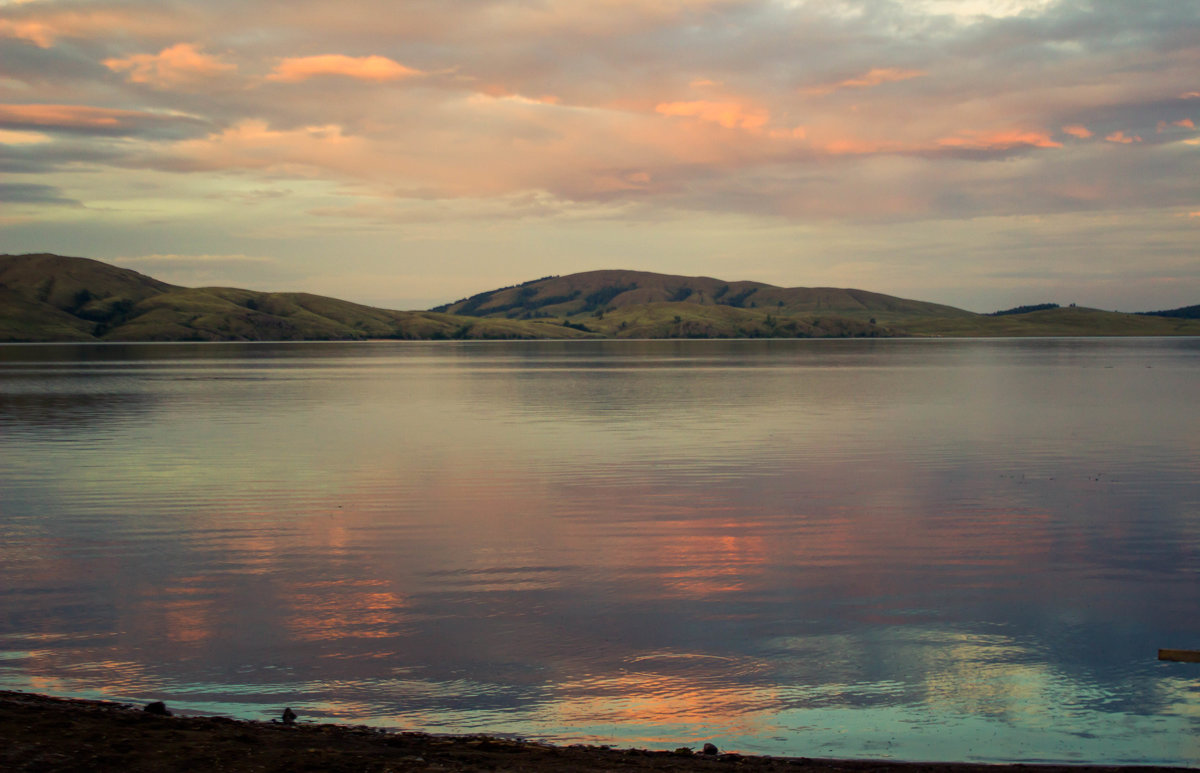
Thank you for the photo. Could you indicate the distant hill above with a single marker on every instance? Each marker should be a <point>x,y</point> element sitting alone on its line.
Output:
<point>1059,321</point>
<point>605,291</point>
<point>1186,312</point>
<point>54,298</point>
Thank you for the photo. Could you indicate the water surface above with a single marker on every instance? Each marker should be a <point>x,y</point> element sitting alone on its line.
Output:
<point>953,550</point>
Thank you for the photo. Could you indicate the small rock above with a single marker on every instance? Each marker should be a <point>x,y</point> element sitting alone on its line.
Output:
<point>158,707</point>
<point>289,716</point>
<point>711,749</point>
<point>684,750</point>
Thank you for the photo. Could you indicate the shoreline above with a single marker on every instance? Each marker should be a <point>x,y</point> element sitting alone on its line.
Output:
<point>46,733</point>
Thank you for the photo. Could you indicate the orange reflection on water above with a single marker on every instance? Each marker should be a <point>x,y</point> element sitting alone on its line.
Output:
<point>649,699</point>
<point>701,559</point>
<point>348,609</point>
<point>189,616</point>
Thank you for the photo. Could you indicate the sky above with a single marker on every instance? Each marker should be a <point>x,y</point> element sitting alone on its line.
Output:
<point>980,153</point>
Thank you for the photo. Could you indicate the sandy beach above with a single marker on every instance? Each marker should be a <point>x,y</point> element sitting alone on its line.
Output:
<point>41,733</point>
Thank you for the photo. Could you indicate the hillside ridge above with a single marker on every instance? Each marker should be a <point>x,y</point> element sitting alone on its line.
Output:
<point>46,297</point>
<point>608,290</point>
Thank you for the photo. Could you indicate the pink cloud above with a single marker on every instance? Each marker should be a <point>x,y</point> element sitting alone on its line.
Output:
<point>731,115</point>
<point>368,68</point>
<point>1082,132</point>
<point>1123,138</point>
<point>873,77</point>
<point>998,140</point>
<point>179,65</point>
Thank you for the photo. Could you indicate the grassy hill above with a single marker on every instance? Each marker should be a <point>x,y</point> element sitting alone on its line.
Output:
<point>592,291</point>
<point>1068,321</point>
<point>53,298</point>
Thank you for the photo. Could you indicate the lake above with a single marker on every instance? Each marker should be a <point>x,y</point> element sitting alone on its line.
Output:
<point>912,549</point>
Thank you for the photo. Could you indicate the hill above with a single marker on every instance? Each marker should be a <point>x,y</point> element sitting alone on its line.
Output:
<point>604,291</point>
<point>1059,321</point>
<point>1185,312</point>
<point>54,298</point>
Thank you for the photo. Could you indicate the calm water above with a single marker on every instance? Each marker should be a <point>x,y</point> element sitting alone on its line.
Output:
<point>957,550</point>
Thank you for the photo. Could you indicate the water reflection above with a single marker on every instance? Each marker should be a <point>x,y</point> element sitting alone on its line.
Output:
<point>958,550</point>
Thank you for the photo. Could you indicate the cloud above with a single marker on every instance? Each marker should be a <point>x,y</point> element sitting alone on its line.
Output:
<point>44,23</point>
<point>1082,132</point>
<point>730,115</point>
<point>85,119</point>
<point>38,33</point>
<point>1123,138</point>
<point>30,193</point>
<point>367,68</point>
<point>1184,123</point>
<point>181,65</point>
<point>999,140</point>
<point>8,137</point>
<point>873,77</point>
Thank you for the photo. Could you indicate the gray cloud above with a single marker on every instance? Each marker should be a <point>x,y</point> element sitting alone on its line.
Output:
<point>32,193</point>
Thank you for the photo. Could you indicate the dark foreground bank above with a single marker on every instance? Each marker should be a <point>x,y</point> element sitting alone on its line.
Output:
<point>38,733</point>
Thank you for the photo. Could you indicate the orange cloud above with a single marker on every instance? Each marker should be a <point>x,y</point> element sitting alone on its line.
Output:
<point>1185,123</point>
<point>874,77</point>
<point>731,115</point>
<point>36,32</point>
<point>367,68</point>
<point>252,144</point>
<point>852,146</point>
<point>1082,132</point>
<point>8,137</point>
<point>1123,138</point>
<point>998,140</point>
<point>42,26</point>
<point>67,116</point>
<point>178,65</point>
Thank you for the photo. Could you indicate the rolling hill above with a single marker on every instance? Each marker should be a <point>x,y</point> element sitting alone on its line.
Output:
<point>592,291</point>
<point>53,298</point>
<point>47,297</point>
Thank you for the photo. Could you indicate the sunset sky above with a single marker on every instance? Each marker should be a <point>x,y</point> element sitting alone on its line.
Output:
<point>981,153</point>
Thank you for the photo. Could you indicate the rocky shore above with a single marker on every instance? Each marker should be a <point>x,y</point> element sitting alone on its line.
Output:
<point>39,733</point>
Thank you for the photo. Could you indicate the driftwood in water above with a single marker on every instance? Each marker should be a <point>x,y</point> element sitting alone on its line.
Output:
<point>1183,656</point>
